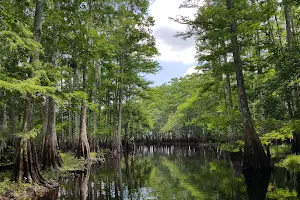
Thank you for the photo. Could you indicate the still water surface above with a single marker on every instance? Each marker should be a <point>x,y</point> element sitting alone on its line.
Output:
<point>172,172</point>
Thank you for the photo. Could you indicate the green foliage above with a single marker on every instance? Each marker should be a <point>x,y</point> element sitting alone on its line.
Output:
<point>29,86</point>
<point>236,146</point>
<point>280,151</point>
<point>93,155</point>
<point>60,127</point>
<point>281,135</point>
<point>28,135</point>
<point>291,163</point>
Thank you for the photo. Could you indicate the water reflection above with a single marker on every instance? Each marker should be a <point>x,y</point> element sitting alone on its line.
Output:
<point>118,177</point>
<point>83,181</point>
<point>257,185</point>
<point>168,172</point>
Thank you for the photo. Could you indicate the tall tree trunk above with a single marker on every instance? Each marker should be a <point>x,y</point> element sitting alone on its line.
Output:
<point>45,124</point>
<point>26,164</point>
<point>12,120</point>
<point>288,23</point>
<point>70,130</point>
<point>254,155</point>
<point>51,157</point>
<point>4,119</point>
<point>230,104</point>
<point>83,146</point>
<point>115,131</point>
<point>118,139</point>
<point>76,116</point>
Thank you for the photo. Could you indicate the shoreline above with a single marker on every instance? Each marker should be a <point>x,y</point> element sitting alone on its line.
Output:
<point>71,166</point>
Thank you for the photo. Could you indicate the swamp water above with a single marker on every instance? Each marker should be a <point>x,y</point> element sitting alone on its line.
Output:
<point>175,172</point>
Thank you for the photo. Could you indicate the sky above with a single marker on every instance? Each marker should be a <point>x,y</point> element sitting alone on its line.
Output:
<point>176,55</point>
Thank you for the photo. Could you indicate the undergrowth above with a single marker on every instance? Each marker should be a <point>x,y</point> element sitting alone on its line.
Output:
<point>70,163</point>
<point>291,163</point>
<point>14,190</point>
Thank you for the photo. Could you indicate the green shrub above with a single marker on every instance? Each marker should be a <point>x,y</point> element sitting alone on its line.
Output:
<point>236,146</point>
<point>291,163</point>
<point>280,151</point>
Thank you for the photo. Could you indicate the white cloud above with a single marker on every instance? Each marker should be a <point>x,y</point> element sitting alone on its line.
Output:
<point>193,70</point>
<point>172,49</point>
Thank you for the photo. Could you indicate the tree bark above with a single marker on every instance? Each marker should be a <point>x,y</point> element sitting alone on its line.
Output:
<point>51,156</point>
<point>26,162</point>
<point>45,124</point>
<point>76,114</point>
<point>117,144</point>
<point>83,146</point>
<point>4,119</point>
<point>12,120</point>
<point>254,155</point>
<point>118,139</point>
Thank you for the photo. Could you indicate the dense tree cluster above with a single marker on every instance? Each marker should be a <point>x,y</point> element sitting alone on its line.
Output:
<point>71,72</point>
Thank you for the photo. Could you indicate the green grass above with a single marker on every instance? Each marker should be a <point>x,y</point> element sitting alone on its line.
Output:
<point>5,174</point>
<point>14,190</point>
<point>93,155</point>
<point>70,163</point>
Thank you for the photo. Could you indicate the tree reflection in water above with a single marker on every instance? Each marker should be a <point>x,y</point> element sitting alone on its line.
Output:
<point>118,177</point>
<point>83,181</point>
<point>165,173</point>
<point>257,184</point>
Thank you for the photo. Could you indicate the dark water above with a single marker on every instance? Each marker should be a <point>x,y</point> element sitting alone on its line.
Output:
<point>176,173</point>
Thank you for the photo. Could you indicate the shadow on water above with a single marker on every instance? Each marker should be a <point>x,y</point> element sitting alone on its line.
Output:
<point>170,172</point>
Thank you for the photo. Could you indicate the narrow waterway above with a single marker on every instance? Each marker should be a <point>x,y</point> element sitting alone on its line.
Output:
<point>173,172</point>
